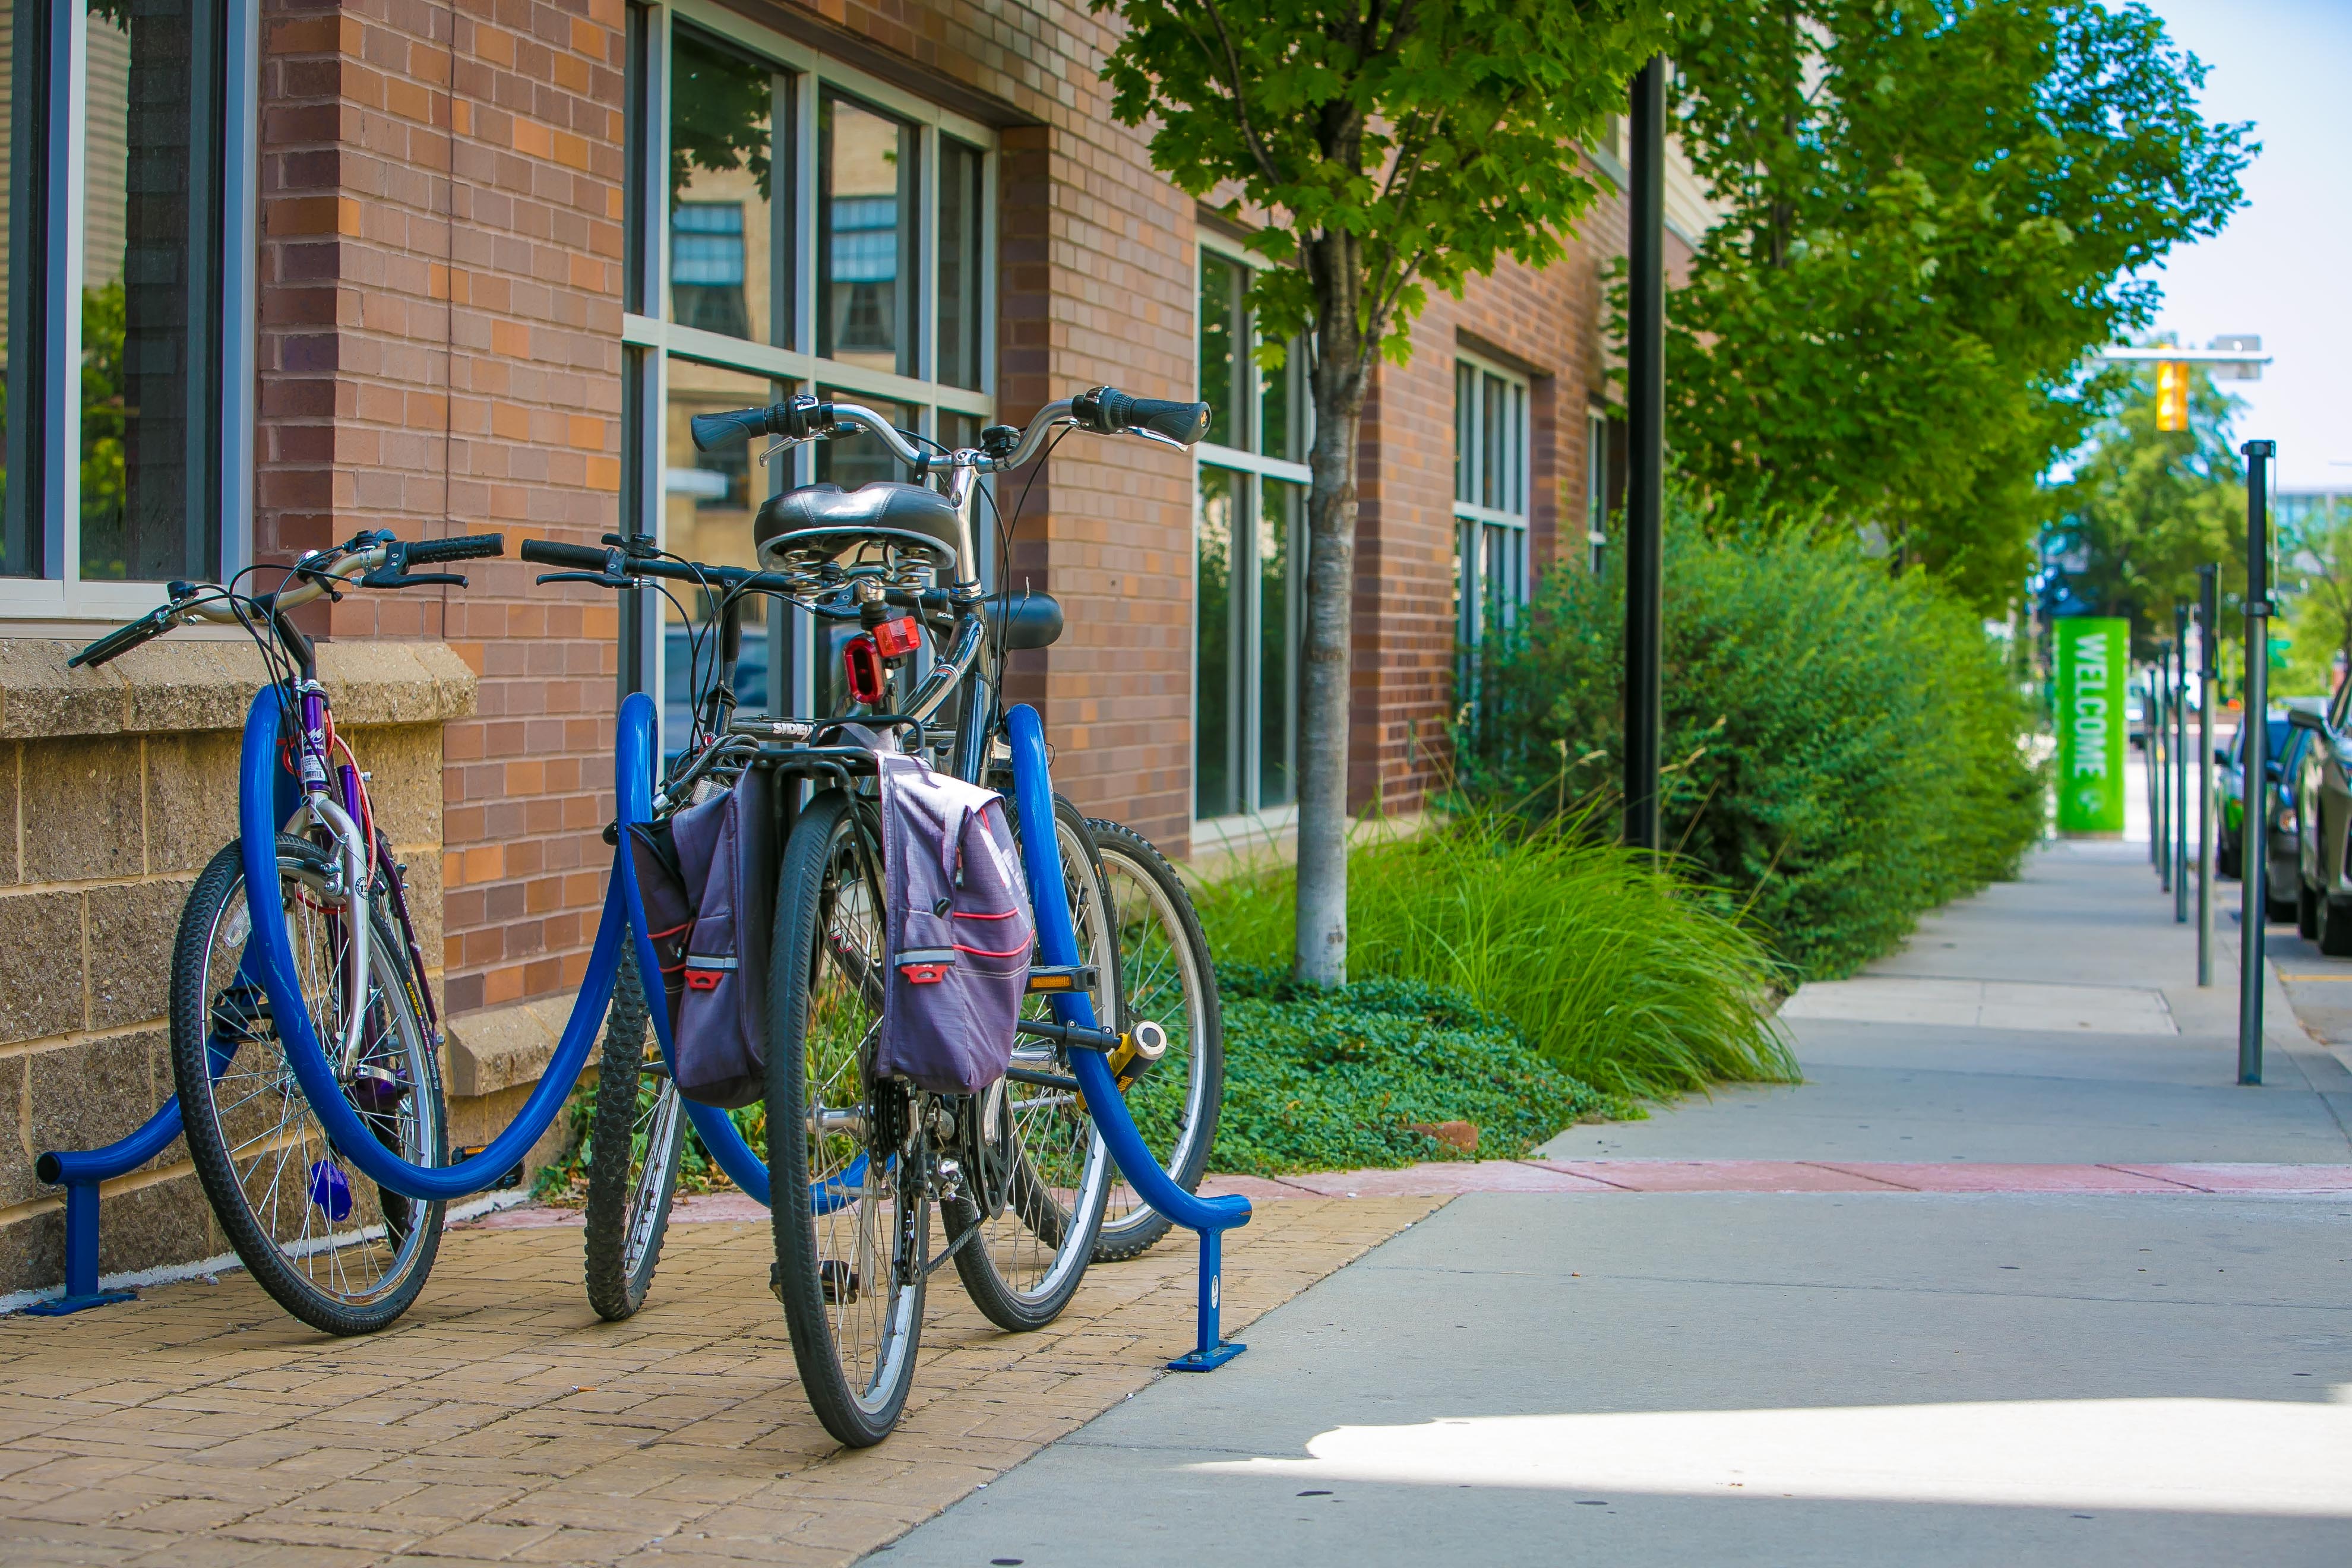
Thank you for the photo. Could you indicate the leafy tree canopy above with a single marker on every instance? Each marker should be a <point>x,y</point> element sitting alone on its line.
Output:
<point>1937,209</point>
<point>1388,145</point>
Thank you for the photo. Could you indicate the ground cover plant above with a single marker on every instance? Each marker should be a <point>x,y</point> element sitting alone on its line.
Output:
<point>1619,975</point>
<point>1357,1075</point>
<point>1844,743</point>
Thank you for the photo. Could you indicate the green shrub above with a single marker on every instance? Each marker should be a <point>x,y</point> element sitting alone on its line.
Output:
<point>1618,974</point>
<point>1844,744</point>
<point>1333,1080</point>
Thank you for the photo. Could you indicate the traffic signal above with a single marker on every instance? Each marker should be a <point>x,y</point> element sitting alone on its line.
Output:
<point>2171,394</point>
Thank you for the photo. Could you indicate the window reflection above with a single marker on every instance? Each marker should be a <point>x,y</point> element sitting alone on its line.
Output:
<point>19,62</point>
<point>1214,740</point>
<point>725,243</point>
<point>1281,509</point>
<point>1221,350</point>
<point>141,518</point>
<point>866,238</point>
<point>961,270</point>
<point>708,500</point>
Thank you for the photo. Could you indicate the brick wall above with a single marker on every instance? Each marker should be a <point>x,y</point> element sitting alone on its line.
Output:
<point>440,353</point>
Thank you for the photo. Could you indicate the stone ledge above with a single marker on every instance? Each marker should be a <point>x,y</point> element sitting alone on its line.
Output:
<point>505,1047</point>
<point>177,687</point>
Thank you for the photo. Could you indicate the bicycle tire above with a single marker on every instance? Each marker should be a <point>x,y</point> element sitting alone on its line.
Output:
<point>636,1142</point>
<point>1026,1264</point>
<point>374,1289</point>
<point>1165,973</point>
<point>857,1362</point>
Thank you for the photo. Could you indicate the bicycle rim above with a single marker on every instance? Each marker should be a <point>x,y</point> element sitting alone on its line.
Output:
<point>333,1247</point>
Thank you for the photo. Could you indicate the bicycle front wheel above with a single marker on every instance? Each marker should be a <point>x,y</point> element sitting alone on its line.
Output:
<point>1164,974</point>
<point>849,1164</point>
<point>634,1148</point>
<point>333,1248</point>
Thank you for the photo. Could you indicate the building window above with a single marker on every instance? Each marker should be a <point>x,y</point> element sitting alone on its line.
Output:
<point>802,227</point>
<point>1596,485</point>
<point>1490,499</point>
<point>1250,536</point>
<point>124,234</point>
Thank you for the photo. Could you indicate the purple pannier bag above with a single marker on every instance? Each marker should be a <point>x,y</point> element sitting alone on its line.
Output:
<point>960,929</point>
<point>708,877</point>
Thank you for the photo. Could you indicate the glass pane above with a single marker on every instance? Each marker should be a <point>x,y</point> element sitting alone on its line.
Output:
<point>708,503</point>
<point>1492,423</point>
<point>1281,510</point>
<point>1282,413</point>
<point>1221,288</point>
<point>1466,597</point>
<point>19,52</point>
<point>137,517</point>
<point>961,306</point>
<point>866,238</point>
<point>1466,434</point>
<point>722,215</point>
<point>1214,779</point>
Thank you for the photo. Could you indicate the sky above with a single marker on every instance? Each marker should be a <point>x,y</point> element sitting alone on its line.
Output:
<point>2283,267</point>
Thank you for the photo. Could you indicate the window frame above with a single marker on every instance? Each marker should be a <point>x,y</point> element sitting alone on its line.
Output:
<point>649,339</point>
<point>59,603</point>
<point>1472,519</point>
<point>1245,719</point>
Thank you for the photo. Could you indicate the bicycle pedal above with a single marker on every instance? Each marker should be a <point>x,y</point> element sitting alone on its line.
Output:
<point>837,1282</point>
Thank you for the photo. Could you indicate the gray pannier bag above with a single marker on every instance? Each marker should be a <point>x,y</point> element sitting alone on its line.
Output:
<point>960,929</point>
<point>707,875</point>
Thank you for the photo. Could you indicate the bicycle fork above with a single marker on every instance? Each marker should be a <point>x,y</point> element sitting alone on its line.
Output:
<point>332,795</point>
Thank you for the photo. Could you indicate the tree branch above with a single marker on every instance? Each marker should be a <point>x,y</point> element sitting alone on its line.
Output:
<point>1241,106</point>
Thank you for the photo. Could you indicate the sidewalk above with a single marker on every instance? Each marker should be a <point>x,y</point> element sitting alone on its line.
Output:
<point>2050,1350</point>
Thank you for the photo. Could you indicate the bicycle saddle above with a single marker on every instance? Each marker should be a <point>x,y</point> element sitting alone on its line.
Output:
<point>882,507</point>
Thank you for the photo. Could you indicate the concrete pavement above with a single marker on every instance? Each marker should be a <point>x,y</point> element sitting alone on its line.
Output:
<point>2010,1376</point>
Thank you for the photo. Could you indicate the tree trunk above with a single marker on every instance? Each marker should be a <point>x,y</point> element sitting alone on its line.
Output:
<point>1342,369</point>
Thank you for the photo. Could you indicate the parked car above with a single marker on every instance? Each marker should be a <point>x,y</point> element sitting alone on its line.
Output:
<point>2283,745</point>
<point>2135,712</point>
<point>2324,802</point>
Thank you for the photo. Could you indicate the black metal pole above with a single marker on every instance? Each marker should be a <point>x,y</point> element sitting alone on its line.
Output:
<point>2255,727</point>
<point>1646,483</point>
<point>2208,610</point>
<point>2180,765</point>
<point>2157,725</point>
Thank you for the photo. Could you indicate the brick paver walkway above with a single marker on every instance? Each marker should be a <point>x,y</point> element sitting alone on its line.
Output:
<point>501,1422</point>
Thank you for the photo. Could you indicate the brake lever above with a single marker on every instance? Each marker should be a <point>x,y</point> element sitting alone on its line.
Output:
<point>602,579</point>
<point>1156,435</point>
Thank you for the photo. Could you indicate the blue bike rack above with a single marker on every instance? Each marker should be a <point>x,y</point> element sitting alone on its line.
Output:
<point>80,1171</point>
<point>264,802</point>
<point>1211,1217</point>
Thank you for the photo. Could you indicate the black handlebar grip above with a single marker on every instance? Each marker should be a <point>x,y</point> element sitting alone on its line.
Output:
<point>570,557</point>
<point>471,547</point>
<point>1108,410</point>
<point>721,429</point>
<point>116,643</point>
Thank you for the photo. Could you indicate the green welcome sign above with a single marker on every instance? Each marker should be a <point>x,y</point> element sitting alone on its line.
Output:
<point>2092,654</point>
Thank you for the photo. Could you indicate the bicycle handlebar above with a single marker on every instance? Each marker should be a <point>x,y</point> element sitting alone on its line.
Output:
<point>1106,411</point>
<point>122,639</point>
<point>570,557</point>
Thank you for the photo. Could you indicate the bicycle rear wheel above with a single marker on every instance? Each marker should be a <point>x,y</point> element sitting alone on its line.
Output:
<point>1037,1175</point>
<point>334,1249</point>
<point>1164,974</point>
<point>634,1148</point>
<point>850,1167</point>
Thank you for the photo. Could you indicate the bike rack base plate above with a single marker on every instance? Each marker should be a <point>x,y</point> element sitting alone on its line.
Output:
<point>1208,1360</point>
<point>64,1304</point>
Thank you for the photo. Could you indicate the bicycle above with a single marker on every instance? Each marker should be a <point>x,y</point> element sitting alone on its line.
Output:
<point>1024,1181</point>
<point>344,1257</point>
